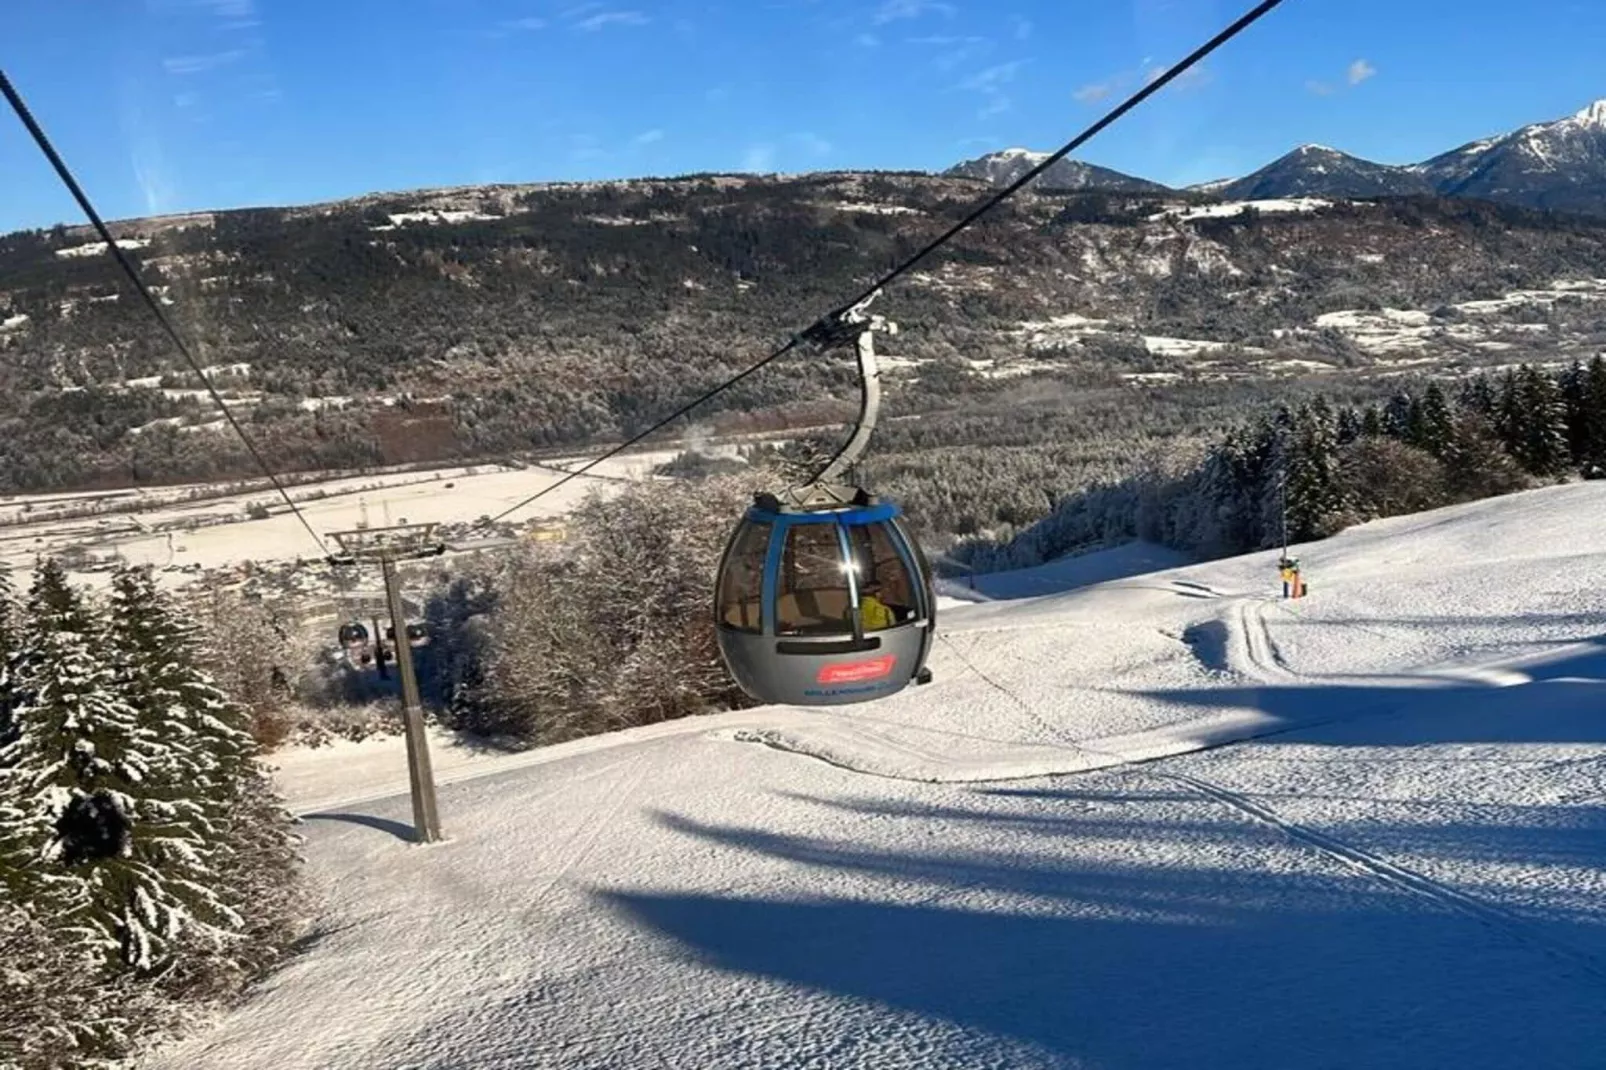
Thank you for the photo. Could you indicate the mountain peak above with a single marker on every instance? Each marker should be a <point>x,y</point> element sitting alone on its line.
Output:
<point>1312,147</point>
<point>1592,115</point>
<point>1006,165</point>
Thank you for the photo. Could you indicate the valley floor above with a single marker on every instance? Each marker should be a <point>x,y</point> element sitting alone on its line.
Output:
<point>1366,830</point>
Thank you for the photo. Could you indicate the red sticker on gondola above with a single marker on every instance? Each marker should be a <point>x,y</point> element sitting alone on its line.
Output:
<point>849,672</point>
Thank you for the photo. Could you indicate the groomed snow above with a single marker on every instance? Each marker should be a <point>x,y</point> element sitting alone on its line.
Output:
<point>1232,208</point>
<point>1378,840</point>
<point>97,248</point>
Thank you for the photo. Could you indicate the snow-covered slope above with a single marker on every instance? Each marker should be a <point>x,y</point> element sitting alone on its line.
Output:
<point>1316,170</point>
<point>1560,164</point>
<point>1378,841</point>
<point>1002,168</point>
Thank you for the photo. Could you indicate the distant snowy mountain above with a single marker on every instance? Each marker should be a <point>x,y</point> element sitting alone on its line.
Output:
<point>1315,170</point>
<point>1002,168</point>
<point>1559,165</point>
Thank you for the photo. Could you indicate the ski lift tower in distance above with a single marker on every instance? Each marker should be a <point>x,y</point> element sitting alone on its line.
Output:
<point>386,546</point>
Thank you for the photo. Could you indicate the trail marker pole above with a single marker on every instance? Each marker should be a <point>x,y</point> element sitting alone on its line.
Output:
<point>387,546</point>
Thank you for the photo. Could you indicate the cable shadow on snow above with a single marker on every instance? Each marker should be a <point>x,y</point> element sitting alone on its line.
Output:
<point>1095,948</point>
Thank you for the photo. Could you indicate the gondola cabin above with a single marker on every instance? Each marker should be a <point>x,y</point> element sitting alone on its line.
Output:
<point>822,606</point>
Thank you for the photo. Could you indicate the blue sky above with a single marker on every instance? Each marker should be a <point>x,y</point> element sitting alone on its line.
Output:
<point>169,105</point>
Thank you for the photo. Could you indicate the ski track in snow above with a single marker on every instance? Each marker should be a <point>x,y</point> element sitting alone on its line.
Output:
<point>1161,821</point>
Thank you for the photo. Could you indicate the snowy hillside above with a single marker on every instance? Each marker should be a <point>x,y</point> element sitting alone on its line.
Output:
<point>1373,837</point>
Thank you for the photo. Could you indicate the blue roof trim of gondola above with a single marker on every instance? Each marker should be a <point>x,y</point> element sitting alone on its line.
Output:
<point>855,514</point>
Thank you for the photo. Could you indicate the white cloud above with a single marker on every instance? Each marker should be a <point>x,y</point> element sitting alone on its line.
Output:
<point>990,83</point>
<point>602,20</point>
<point>955,51</point>
<point>760,157</point>
<point>202,63</point>
<point>1360,71</point>
<point>893,10</point>
<point>813,143</point>
<point>1195,77</point>
<point>648,137</point>
<point>994,76</point>
<point>230,9</point>
<point>1094,92</point>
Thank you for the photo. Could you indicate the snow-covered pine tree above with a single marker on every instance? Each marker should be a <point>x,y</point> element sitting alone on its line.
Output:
<point>92,823</point>
<point>1351,426</point>
<point>1435,422</point>
<point>1575,396</point>
<point>214,818</point>
<point>1402,418</point>
<point>1509,420</point>
<point>1478,395</point>
<point>1269,462</point>
<point>1591,458</point>
<point>75,754</point>
<point>1543,449</point>
<point>1316,499</point>
<point>10,622</point>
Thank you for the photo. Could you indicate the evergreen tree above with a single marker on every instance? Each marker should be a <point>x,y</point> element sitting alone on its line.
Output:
<point>1477,465</point>
<point>216,817</point>
<point>1351,426</point>
<point>1543,443</point>
<point>1509,421</point>
<point>1315,498</point>
<point>1591,456</point>
<point>1478,395</point>
<point>75,754</point>
<point>10,622</point>
<point>1435,428</point>
<point>1575,397</point>
<point>1402,418</point>
<point>95,823</point>
<point>1372,423</point>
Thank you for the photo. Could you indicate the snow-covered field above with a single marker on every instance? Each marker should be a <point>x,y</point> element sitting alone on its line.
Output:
<point>1371,835</point>
<point>166,530</point>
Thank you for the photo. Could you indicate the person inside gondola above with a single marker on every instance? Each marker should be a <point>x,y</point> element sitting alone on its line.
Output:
<point>874,614</point>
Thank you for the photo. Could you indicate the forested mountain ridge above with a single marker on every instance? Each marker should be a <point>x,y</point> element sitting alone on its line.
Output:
<point>469,321</point>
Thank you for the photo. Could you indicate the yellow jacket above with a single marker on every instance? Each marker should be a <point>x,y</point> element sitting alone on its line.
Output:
<point>874,614</point>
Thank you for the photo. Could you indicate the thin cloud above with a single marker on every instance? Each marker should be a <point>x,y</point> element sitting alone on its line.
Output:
<point>647,137</point>
<point>1354,75</point>
<point>529,23</point>
<point>813,143</point>
<point>1195,77</point>
<point>990,83</point>
<point>602,20</point>
<point>759,158</point>
<point>1093,93</point>
<point>202,63</point>
<point>894,10</point>
<point>867,40</point>
<point>955,51</point>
